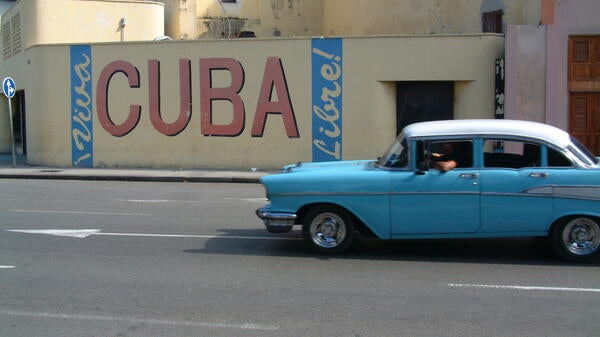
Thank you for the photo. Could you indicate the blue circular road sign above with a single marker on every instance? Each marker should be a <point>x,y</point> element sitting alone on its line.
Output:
<point>8,87</point>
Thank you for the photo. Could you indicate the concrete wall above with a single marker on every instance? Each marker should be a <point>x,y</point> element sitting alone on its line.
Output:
<point>526,73</point>
<point>516,12</point>
<point>251,103</point>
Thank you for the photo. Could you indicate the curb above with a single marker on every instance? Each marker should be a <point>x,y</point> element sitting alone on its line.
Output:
<point>238,180</point>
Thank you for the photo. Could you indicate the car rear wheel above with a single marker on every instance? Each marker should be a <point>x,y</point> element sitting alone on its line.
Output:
<point>577,239</point>
<point>328,230</point>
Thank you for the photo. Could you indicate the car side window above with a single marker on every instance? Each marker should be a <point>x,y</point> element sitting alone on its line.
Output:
<point>434,153</point>
<point>511,154</point>
<point>557,159</point>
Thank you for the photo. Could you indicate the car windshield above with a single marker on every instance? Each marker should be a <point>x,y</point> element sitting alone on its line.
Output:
<point>396,155</point>
<point>584,152</point>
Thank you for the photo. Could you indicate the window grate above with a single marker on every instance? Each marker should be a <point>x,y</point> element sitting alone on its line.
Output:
<point>15,26</point>
<point>11,37</point>
<point>6,42</point>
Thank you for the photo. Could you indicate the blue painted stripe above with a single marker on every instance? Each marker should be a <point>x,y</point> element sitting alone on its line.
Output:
<point>327,117</point>
<point>82,130</point>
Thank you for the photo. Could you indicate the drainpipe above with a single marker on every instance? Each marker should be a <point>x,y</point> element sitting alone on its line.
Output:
<point>122,24</point>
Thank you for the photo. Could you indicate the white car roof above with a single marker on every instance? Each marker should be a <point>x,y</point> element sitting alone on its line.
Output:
<point>491,127</point>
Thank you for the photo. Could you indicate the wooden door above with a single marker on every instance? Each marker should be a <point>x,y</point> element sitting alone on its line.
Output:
<point>584,119</point>
<point>584,60</point>
<point>584,90</point>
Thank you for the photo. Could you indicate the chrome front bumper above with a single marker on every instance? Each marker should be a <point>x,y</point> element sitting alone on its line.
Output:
<point>276,222</point>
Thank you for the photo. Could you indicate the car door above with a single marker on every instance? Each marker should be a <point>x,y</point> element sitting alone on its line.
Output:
<point>516,186</point>
<point>430,201</point>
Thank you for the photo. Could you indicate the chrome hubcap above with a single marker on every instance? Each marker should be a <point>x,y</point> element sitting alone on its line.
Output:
<point>327,230</point>
<point>581,236</point>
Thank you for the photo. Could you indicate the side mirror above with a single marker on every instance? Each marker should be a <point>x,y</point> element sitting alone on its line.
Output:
<point>422,168</point>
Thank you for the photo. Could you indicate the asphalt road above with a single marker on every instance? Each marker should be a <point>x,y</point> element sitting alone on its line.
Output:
<point>191,259</point>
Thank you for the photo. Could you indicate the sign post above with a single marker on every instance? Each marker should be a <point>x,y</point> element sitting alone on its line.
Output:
<point>9,88</point>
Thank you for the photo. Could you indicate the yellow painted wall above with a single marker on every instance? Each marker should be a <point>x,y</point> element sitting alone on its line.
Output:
<point>98,21</point>
<point>75,21</point>
<point>377,63</point>
<point>371,66</point>
<point>69,21</point>
<point>148,148</point>
<point>207,19</point>
<point>284,18</point>
<point>421,17</point>
<point>410,17</point>
<point>48,111</point>
<point>266,18</point>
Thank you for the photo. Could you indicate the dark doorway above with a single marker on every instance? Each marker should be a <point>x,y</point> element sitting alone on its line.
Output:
<point>423,101</point>
<point>18,107</point>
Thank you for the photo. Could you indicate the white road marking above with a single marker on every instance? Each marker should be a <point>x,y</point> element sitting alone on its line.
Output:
<point>212,325</point>
<point>149,201</point>
<point>76,233</point>
<point>76,212</point>
<point>157,201</point>
<point>84,233</point>
<point>7,267</point>
<point>518,287</point>
<point>253,200</point>
<point>237,237</point>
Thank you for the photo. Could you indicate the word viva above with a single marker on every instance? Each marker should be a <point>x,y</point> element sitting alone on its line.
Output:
<point>82,132</point>
<point>273,81</point>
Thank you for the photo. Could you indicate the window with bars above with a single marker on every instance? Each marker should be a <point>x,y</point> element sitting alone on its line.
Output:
<point>6,45</point>
<point>492,22</point>
<point>11,36</point>
<point>15,30</point>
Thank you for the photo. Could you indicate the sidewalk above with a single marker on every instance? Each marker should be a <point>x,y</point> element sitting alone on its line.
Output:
<point>25,171</point>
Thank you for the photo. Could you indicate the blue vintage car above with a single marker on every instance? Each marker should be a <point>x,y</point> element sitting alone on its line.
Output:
<point>448,179</point>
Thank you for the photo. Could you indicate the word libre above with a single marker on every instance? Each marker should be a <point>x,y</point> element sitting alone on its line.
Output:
<point>327,92</point>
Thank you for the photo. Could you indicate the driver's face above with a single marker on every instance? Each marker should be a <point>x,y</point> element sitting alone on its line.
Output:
<point>448,148</point>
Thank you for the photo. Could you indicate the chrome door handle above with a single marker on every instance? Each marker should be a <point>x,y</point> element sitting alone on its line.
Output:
<point>469,175</point>
<point>538,175</point>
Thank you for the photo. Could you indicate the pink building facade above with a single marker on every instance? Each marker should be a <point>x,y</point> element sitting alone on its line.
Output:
<point>553,70</point>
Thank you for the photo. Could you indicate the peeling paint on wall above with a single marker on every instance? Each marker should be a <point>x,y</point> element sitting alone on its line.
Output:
<point>284,7</point>
<point>222,27</point>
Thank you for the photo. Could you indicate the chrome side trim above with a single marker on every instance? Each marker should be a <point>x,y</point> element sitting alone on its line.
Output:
<point>521,195</point>
<point>303,194</point>
<point>583,192</point>
<point>547,191</point>
<point>438,193</point>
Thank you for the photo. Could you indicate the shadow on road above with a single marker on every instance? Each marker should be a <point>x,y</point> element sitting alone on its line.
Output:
<point>517,251</point>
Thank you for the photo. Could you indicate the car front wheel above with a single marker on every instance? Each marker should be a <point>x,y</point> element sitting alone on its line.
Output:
<point>328,230</point>
<point>577,239</point>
